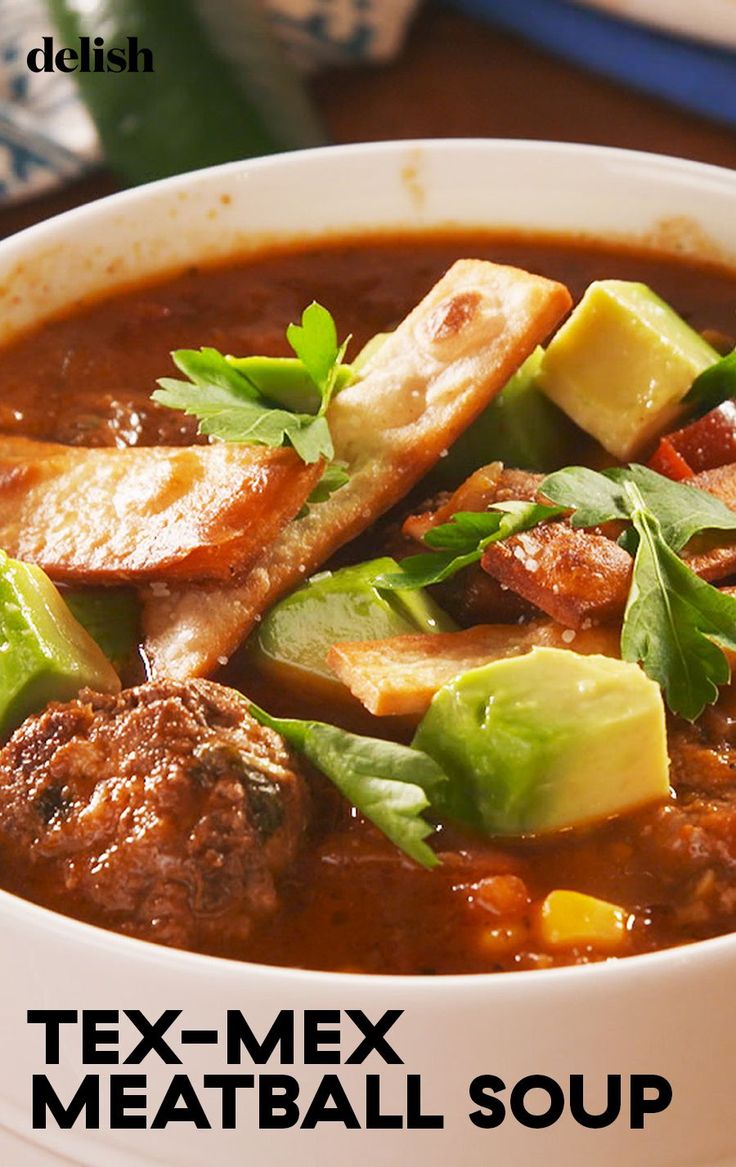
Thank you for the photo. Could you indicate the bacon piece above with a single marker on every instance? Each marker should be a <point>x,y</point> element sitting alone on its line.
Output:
<point>401,675</point>
<point>137,514</point>
<point>423,387</point>
<point>576,577</point>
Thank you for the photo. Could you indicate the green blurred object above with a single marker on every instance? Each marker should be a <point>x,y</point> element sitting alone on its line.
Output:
<point>111,616</point>
<point>220,89</point>
<point>521,428</point>
<point>45,654</point>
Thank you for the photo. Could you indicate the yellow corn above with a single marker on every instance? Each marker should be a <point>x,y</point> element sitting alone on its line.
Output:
<point>569,919</point>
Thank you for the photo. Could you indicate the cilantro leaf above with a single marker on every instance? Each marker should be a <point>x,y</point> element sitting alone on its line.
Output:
<point>315,343</point>
<point>209,369</point>
<point>269,401</point>
<point>676,624</point>
<point>682,510</point>
<point>715,384</point>
<point>594,497</point>
<point>463,540</point>
<point>285,382</point>
<point>334,478</point>
<point>389,783</point>
<point>225,414</point>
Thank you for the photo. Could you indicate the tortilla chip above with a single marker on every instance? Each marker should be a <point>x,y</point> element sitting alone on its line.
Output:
<point>577,577</point>
<point>111,515</point>
<point>424,386</point>
<point>401,675</point>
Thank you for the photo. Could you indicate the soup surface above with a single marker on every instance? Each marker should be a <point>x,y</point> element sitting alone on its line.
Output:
<point>351,901</point>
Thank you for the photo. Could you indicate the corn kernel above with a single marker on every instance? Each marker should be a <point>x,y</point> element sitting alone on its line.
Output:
<point>569,919</point>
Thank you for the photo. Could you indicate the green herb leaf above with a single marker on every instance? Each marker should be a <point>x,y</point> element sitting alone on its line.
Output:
<point>463,541</point>
<point>112,618</point>
<point>230,416</point>
<point>594,497</point>
<point>389,783</point>
<point>714,385</point>
<point>285,382</point>
<point>676,624</point>
<point>334,478</point>
<point>315,343</point>
<point>681,510</point>
<point>254,400</point>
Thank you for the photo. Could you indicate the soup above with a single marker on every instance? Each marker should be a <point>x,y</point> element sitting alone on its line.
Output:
<point>348,898</point>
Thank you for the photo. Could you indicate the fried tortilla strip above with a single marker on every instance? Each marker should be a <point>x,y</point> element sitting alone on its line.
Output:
<point>576,577</point>
<point>402,674</point>
<point>423,387</point>
<point>138,514</point>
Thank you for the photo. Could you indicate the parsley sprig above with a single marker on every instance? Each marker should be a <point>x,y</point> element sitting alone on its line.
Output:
<point>268,401</point>
<point>392,785</point>
<point>675,624</point>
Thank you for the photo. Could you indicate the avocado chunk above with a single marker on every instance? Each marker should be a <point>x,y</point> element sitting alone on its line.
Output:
<point>344,605</point>
<point>547,740</point>
<point>622,364</point>
<point>45,655</point>
<point>286,382</point>
<point>111,616</point>
<point>521,427</point>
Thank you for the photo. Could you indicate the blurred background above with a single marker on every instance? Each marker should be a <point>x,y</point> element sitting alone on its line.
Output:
<point>236,78</point>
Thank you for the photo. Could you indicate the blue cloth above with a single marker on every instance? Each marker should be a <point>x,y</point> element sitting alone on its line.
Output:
<point>699,77</point>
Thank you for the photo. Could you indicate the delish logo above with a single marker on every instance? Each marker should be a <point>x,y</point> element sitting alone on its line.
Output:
<point>90,57</point>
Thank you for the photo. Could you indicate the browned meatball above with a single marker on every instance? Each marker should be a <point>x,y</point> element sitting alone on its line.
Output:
<point>165,812</point>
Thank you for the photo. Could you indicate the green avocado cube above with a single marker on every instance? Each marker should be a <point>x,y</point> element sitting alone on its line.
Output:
<point>112,618</point>
<point>45,655</point>
<point>343,605</point>
<point>621,365</point>
<point>286,382</point>
<point>545,741</point>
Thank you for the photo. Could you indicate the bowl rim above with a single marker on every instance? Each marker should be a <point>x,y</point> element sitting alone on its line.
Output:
<point>665,164</point>
<point>713,951</point>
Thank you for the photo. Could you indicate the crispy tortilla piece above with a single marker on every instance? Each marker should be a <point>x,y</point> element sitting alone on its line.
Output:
<point>424,386</point>
<point>473,596</point>
<point>401,675</point>
<point>107,515</point>
<point>577,577</point>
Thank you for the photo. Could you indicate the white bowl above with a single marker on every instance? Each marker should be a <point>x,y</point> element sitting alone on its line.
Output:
<point>668,1014</point>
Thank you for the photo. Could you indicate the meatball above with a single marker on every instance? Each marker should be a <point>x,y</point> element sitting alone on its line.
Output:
<point>166,811</point>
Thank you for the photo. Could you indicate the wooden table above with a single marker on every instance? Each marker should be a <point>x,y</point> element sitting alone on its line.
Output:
<point>457,78</point>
